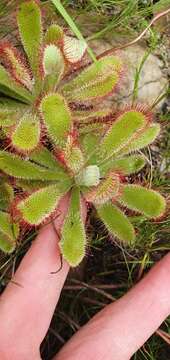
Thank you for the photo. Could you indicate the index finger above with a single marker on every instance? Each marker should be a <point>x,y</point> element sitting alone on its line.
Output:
<point>27,310</point>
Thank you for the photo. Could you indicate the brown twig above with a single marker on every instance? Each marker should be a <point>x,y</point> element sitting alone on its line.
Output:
<point>155,18</point>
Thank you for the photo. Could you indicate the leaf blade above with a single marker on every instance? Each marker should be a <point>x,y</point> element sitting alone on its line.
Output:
<point>148,202</point>
<point>73,239</point>
<point>116,222</point>
<point>37,207</point>
<point>56,117</point>
<point>30,28</point>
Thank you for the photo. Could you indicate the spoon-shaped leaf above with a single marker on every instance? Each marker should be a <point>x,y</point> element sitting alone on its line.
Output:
<point>14,165</point>
<point>16,66</point>
<point>26,135</point>
<point>9,87</point>
<point>146,201</point>
<point>142,140</point>
<point>42,156</point>
<point>57,118</point>
<point>125,166</point>
<point>121,132</point>
<point>37,207</point>
<point>73,237</point>
<point>29,24</point>
<point>116,222</point>
<point>98,80</point>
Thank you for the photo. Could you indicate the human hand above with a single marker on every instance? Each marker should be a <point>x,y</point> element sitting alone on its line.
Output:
<point>116,332</point>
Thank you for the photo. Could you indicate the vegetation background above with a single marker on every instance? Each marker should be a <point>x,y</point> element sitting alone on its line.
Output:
<point>109,269</point>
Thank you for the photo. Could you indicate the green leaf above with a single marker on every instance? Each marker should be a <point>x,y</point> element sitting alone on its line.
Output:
<point>146,201</point>
<point>52,60</point>
<point>6,195</point>
<point>12,57</point>
<point>142,140</point>
<point>7,245</point>
<point>73,156</point>
<point>42,156</point>
<point>33,185</point>
<point>29,24</point>
<point>54,34</point>
<point>125,166</point>
<point>26,135</point>
<point>15,166</point>
<point>97,81</point>
<point>8,233</point>
<point>57,118</point>
<point>73,49</point>
<point>116,222</point>
<point>90,116</point>
<point>90,144</point>
<point>40,205</point>
<point>8,117</point>
<point>53,64</point>
<point>10,88</point>
<point>121,132</point>
<point>73,237</point>
<point>105,191</point>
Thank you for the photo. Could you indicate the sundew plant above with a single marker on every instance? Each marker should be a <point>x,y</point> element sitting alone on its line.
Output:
<point>58,137</point>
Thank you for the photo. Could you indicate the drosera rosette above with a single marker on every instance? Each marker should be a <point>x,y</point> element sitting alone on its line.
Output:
<point>61,142</point>
<point>90,166</point>
<point>27,79</point>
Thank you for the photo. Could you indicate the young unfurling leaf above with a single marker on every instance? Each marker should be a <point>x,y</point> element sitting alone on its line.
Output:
<point>54,35</point>
<point>73,49</point>
<point>106,190</point>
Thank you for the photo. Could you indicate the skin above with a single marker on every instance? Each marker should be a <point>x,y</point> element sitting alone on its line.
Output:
<point>116,332</point>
